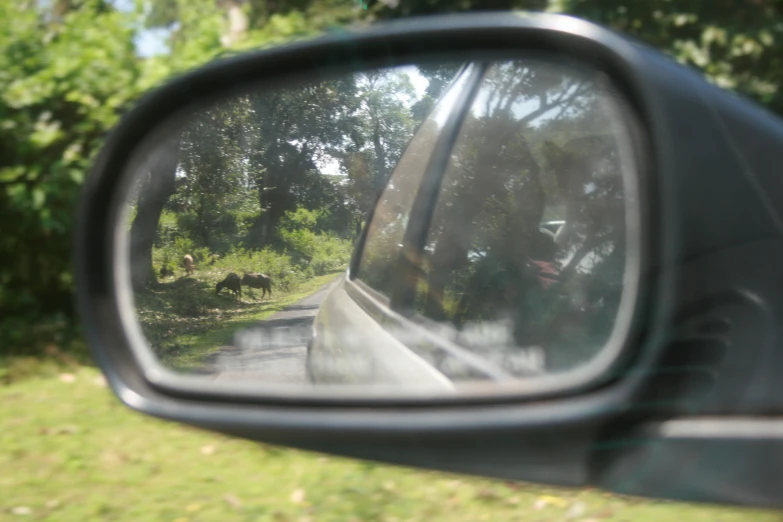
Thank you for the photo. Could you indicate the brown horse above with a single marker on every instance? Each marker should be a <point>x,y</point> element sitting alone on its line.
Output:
<point>187,262</point>
<point>262,281</point>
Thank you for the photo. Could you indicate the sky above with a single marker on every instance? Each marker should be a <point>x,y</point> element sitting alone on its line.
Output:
<point>149,42</point>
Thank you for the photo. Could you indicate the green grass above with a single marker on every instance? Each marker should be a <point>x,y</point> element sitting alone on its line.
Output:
<point>69,451</point>
<point>185,320</point>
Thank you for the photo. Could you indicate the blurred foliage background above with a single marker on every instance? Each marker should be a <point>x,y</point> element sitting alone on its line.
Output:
<point>70,68</point>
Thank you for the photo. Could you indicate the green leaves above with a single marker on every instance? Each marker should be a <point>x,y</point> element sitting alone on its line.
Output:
<point>63,84</point>
<point>737,44</point>
<point>67,76</point>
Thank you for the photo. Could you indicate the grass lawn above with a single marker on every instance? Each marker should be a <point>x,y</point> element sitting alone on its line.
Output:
<point>69,451</point>
<point>185,320</point>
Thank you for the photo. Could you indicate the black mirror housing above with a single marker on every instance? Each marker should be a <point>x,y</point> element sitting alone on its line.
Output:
<point>702,355</point>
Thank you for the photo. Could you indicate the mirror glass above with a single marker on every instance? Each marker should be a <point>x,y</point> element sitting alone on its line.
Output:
<point>434,227</point>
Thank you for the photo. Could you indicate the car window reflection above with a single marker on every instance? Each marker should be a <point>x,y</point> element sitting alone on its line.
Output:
<point>390,219</point>
<point>528,232</point>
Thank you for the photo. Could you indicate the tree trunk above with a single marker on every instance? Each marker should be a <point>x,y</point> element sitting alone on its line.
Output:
<point>380,159</point>
<point>154,194</point>
<point>257,234</point>
<point>203,227</point>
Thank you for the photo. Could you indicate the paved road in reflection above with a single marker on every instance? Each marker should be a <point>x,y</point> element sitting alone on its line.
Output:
<point>275,351</point>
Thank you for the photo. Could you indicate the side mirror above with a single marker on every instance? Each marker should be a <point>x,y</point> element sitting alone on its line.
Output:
<point>513,245</point>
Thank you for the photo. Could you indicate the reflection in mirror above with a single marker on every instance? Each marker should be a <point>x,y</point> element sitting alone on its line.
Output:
<point>242,223</point>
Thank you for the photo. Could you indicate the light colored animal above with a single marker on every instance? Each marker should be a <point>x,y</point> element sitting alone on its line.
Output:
<point>187,262</point>
<point>256,280</point>
<point>233,283</point>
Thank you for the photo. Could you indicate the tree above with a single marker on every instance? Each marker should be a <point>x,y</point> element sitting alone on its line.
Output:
<point>439,76</point>
<point>70,69</point>
<point>383,126</point>
<point>156,185</point>
<point>67,74</point>
<point>214,171</point>
<point>737,44</point>
<point>294,128</point>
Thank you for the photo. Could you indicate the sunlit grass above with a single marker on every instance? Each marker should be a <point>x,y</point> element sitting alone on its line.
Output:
<point>69,451</point>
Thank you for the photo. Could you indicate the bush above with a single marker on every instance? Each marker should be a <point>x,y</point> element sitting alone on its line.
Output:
<point>285,274</point>
<point>302,253</point>
<point>314,253</point>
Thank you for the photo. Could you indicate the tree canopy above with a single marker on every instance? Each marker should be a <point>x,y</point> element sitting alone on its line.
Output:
<point>70,68</point>
<point>241,167</point>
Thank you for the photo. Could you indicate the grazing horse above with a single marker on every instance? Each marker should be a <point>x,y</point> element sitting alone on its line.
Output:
<point>231,282</point>
<point>262,281</point>
<point>187,262</point>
